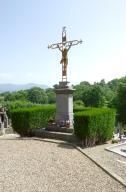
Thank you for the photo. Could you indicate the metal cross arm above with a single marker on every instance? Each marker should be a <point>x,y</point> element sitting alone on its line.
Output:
<point>54,46</point>
<point>66,44</point>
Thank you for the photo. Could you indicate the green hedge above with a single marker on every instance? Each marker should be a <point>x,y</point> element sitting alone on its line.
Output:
<point>81,108</point>
<point>24,120</point>
<point>12,105</point>
<point>94,125</point>
<point>78,109</point>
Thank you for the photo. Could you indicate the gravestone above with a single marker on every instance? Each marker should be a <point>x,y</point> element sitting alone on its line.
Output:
<point>118,148</point>
<point>3,120</point>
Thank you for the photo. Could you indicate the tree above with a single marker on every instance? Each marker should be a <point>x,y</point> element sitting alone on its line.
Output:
<point>1,99</point>
<point>114,87</point>
<point>51,95</point>
<point>102,83</point>
<point>121,103</point>
<point>10,97</point>
<point>17,95</point>
<point>21,95</point>
<point>80,89</point>
<point>94,97</point>
<point>37,95</point>
<point>113,84</point>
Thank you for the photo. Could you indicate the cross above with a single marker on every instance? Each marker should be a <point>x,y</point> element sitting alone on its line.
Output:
<point>64,47</point>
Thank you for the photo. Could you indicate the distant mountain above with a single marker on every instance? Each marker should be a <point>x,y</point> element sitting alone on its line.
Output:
<point>17,87</point>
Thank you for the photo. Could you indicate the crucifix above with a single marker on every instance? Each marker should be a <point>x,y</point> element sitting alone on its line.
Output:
<point>64,47</point>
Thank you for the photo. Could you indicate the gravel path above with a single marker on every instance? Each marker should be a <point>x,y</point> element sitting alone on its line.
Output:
<point>36,166</point>
<point>112,161</point>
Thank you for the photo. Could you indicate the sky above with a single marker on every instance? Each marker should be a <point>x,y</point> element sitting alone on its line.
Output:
<point>27,27</point>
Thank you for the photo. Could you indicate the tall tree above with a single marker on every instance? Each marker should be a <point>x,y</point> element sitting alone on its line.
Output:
<point>80,90</point>
<point>94,97</point>
<point>121,102</point>
<point>37,95</point>
<point>51,95</point>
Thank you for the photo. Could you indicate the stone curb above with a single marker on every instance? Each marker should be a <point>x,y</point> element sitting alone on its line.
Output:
<point>105,169</point>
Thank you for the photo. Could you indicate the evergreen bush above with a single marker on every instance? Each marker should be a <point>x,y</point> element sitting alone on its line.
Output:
<point>25,120</point>
<point>94,125</point>
<point>12,105</point>
<point>80,108</point>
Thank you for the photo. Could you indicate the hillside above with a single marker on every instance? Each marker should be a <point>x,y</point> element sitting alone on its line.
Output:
<point>17,87</point>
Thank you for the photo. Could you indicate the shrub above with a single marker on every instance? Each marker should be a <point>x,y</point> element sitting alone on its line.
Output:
<point>78,108</point>
<point>12,105</point>
<point>94,125</point>
<point>25,120</point>
<point>81,108</point>
<point>78,103</point>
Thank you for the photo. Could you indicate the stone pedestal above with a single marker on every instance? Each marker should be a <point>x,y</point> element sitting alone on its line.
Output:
<point>64,105</point>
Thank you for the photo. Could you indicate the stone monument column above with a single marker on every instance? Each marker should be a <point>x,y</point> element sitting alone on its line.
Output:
<point>64,105</point>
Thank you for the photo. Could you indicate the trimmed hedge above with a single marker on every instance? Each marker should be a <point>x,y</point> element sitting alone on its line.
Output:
<point>81,108</point>
<point>91,125</point>
<point>25,120</point>
<point>12,105</point>
<point>94,125</point>
<point>78,109</point>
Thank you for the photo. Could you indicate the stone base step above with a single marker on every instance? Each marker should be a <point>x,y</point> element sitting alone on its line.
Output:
<point>9,130</point>
<point>59,129</point>
<point>70,137</point>
<point>6,131</point>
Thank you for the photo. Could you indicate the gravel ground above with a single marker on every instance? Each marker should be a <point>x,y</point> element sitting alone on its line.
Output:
<point>28,165</point>
<point>112,161</point>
